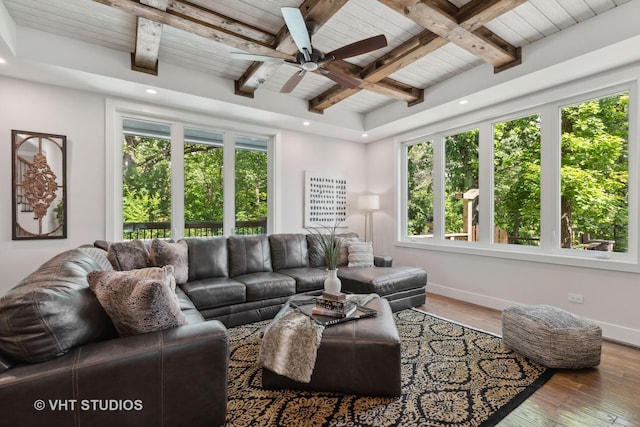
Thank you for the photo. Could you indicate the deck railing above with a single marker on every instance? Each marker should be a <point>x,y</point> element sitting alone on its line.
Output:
<point>150,230</point>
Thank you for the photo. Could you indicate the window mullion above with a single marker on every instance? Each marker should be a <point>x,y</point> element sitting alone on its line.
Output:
<point>550,178</point>
<point>439,180</point>
<point>177,180</point>
<point>485,151</point>
<point>229,162</point>
<point>634,125</point>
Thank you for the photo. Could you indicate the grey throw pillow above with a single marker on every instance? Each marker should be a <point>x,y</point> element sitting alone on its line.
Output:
<point>128,255</point>
<point>138,301</point>
<point>164,253</point>
<point>343,253</point>
<point>360,254</point>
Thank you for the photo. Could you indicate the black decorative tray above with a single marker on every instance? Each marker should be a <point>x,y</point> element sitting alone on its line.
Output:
<point>306,305</point>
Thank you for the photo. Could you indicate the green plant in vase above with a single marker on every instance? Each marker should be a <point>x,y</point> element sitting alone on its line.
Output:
<point>329,243</point>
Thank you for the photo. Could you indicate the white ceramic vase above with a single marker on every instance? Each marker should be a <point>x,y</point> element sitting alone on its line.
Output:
<point>332,284</point>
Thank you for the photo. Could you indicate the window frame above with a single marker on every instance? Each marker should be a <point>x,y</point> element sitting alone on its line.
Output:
<point>547,105</point>
<point>117,110</point>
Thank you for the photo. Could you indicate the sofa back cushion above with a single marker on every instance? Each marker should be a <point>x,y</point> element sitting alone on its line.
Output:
<point>208,257</point>
<point>53,310</point>
<point>248,254</point>
<point>288,251</point>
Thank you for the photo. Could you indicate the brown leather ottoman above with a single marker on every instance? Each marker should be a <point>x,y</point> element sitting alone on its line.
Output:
<point>357,357</point>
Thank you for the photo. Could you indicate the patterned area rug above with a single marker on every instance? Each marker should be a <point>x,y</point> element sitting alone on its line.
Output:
<point>452,375</point>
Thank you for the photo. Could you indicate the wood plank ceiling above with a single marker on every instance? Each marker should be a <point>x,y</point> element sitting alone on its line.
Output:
<point>429,40</point>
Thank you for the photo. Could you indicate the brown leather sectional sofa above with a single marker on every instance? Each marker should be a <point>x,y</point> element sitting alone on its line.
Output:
<point>62,362</point>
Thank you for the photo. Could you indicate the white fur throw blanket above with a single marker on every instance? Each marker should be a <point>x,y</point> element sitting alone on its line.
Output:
<point>290,342</point>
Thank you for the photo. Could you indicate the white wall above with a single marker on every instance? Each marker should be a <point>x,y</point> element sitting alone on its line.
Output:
<point>81,117</point>
<point>302,152</point>
<point>610,297</point>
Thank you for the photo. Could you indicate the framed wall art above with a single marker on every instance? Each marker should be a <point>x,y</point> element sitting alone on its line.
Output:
<point>39,196</point>
<point>325,200</point>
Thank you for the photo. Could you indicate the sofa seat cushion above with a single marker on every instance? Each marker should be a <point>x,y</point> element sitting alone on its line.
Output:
<point>215,292</point>
<point>261,286</point>
<point>53,310</point>
<point>307,278</point>
<point>381,280</point>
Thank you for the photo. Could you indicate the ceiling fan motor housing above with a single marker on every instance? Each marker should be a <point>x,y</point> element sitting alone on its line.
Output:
<point>312,65</point>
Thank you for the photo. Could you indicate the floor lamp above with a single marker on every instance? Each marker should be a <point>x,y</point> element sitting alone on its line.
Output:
<point>369,203</point>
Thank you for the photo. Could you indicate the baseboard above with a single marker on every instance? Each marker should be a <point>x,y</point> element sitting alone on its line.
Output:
<point>612,332</point>
<point>471,297</point>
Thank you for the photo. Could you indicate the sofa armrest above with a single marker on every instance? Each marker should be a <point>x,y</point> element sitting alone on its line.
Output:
<point>173,377</point>
<point>382,261</point>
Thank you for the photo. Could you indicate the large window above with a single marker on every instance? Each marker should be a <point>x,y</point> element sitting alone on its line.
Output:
<point>190,181</point>
<point>251,184</point>
<point>594,187</point>
<point>203,182</point>
<point>419,161</point>
<point>146,179</point>
<point>461,183</point>
<point>554,180</point>
<point>516,181</point>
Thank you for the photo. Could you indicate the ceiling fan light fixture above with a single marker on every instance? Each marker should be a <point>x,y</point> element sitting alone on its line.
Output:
<point>309,59</point>
<point>309,66</point>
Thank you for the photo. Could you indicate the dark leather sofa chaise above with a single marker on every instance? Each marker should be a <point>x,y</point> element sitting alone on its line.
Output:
<point>62,362</point>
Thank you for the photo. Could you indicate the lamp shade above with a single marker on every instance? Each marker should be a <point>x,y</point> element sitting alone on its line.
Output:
<point>369,202</point>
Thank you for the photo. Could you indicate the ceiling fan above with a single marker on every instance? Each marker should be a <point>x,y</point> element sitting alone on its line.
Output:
<point>310,59</point>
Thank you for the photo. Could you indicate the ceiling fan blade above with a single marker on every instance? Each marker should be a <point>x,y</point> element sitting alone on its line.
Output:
<point>359,47</point>
<point>298,30</point>
<point>342,79</point>
<point>293,82</point>
<point>251,57</point>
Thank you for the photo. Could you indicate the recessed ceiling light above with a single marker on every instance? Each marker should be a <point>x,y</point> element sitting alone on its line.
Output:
<point>151,91</point>
<point>364,135</point>
<point>464,101</point>
<point>2,61</point>
<point>306,123</point>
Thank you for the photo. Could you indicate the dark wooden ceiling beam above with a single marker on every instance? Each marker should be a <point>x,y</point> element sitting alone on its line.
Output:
<point>445,18</point>
<point>194,25</point>
<point>378,71</point>
<point>201,15</point>
<point>442,18</point>
<point>476,13</point>
<point>197,20</point>
<point>408,52</point>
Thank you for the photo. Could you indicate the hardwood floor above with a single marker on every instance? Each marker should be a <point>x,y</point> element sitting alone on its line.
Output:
<point>608,395</point>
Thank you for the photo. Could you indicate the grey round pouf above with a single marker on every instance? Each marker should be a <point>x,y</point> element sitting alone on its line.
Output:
<point>551,336</point>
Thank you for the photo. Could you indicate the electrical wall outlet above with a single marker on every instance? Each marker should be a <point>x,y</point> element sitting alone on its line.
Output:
<point>576,298</point>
